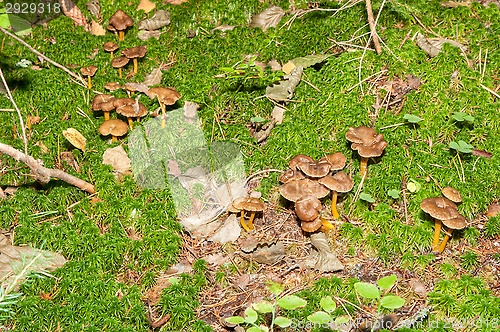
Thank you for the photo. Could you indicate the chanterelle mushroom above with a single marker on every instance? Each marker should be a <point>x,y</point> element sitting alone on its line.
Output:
<point>113,127</point>
<point>367,142</point>
<point>165,96</point>
<point>454,223</point>
<point>248,204</point>
<point>89,72</point>
<point>120,21</point>
<point>99,100</point>
<point>452,194</point>
<point>439,208</point>
<point>134,53</point>
<point>338,183</point>
<point>119,63</point>
<point>110,47</point>
<point>307,209</point>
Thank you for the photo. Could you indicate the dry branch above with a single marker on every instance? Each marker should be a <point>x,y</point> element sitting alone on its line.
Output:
<point>371,21</point>
<point>44,174</point>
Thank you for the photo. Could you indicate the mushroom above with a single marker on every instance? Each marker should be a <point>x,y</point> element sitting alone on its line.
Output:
<point>119,63</point>
<point>113,127</point>
<point>131,111</point>
<point>338,183</point>
<point>315,169</point>
<point>165,96</point>
<point>300,158</point>
<point>367,142</point>
<point>251,204</point>
<point>89,72</point>
<point>454,223</point>
<point>120,21</point>
<point>107,107</point>
<point>493,210</point>
<point>311,226</point>
<point>290,175</point>
<point>452,194</point>
<point>134,53</point>
<point>110,47</point>
<point>337,161</point>
<point>112,86</point>
<point>307,209</point>
<point>296,189</point>
<point>99,100</point>
<point>439,208</point>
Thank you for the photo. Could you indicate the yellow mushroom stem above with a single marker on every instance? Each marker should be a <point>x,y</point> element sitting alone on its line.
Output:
<point>130,123</point>
<point>135,65</point>
<point>106,115</point>
<point>326,224</point>
<point>129,93</point>
<point>89,82</point>
<point>163,115</point>
<point>437,231</point>
<point>363,166</point>
<point>120,72</point>
<point>335,213</point>
<point>242,221</point>
<point>121,35</point>
<point>137,119</point>
<point>111,55</point>
<point>250,222</point>
<point>114,139</point>
<point>445,240</point>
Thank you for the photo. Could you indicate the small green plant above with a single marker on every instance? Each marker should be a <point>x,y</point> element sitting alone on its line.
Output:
<point>328,305</point>
<point>412,118</point>
<point>367,197</point>
<point>469,260</point>
<point>461,117</point>
<point>289,302</point>
<point>250,70</point>
<point>372,292</point>
<point>413,186</point>
<point>394,193</point>
<point>461,146</point>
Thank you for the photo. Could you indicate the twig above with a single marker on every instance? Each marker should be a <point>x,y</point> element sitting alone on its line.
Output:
<point>44,174</point>
<point>25,140</point>
<point>405,39</point>
<point>77,77</point>
<point>490,91</point>
<point>372,26</point>
<point>361,82</point>
<point>351,206</point>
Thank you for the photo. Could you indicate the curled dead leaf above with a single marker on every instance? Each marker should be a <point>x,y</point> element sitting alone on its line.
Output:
<point>268,18</point>
<point>160,19</point>
<point>71,10</point>
<point>75,138</point>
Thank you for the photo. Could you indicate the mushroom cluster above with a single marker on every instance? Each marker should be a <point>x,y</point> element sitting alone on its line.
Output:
<point>367,142</point>
<point>307,181</point>
<point>444,210</point>
<point>250,204</point>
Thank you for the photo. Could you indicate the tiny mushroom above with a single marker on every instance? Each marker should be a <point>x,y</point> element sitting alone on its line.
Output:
<point>113,127</point>
<point>120,21</point>
<point>307,209</point>
<point>89,72</point>
<point>452,194</point>
<point>99,100</point>
<point>294,190</point>
<point>454,223</point>
<point>367,142</point>
<point>131,111</point>
<point>110,47</point>
<point>290,175</point>
<point>315,169</point>
<point>165,96</point>
<point>311,226</point>
<point>493,210</point>
<point>107,107</point>
<point>439,208</point>
<point>119,63</point>
<point>337,160</point>
<point>250,204</point>
<point>134,53</point>
<point>112,86</point>
<point>338,183</point>
<point>300,158</point>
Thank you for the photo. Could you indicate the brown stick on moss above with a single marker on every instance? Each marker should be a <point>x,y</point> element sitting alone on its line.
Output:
<point>44,174</point>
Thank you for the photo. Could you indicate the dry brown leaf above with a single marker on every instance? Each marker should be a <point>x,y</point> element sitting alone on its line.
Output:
<point>173,168</point>
<point>278,113</point>
<point>42,147</point>
<point>146,5</point>
<point>96,29</point>
<point>154,78</point>
<point>140,87</point>
<point>75,138</point>
<point>146,34</point>
<point>190,111</point>
<point>482,153</point>
<point>73,12</point>
<point>174,2</point>
<point>269,18</point>
<point>160,19</point>
<point>94,8</point>
<point>117,158</point>
<point>224,27</point>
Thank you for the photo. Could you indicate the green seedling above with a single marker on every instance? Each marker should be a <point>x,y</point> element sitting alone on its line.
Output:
<point>413,186</point>
<point>367,197</point>
<point>325,316</point>
<point>393,193</point>
<point>290,302</point>
<point>461,146</point>
<point>461,117</point>
<point>372,292</point>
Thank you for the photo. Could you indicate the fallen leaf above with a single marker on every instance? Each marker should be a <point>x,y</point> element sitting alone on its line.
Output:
<point>94,8</point>
<point>140,87</point>
<point>283,91</point>
<point>96,29</point>
<point>482,153</point>
<point>153,295</point>
<point>117,158</point>
<point>69,158</point>
<point>146,34</point>
<point>42,147</point>
<point>269,253</point>
<point>174,2</point>
<point>35,67</point>
<point>154,78</point>
<point>194,175</point>
<point>305,61</point>
<point>173,168</point>
<point>418,287</point>
<point>224,27</point>
<point>75,138</point>
<point>274,64</point>
<point>215,259</point>
<point>146,5</point>
<point>324,259</point>
<point>190,112</point>
<point>72,11</point>
<point>278,113</point>
<point>434,46</point>
<point>269,18</point>
<point>160,19</point>
<point>229,231</point>
<point>264,131</point>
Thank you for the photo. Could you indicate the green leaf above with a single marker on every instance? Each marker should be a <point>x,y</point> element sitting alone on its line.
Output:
<point>392,302</point>
<point>258,329</point>
<point>235,320</point>
<point>250,315</point>
<point>17,24</point>
<point>393,193</point>
<point>257,119</point>
<point>319,317</point>
<point>412,118</point>
<point>274,287</point>
<point>328,304</point>
<point>413,186</point>
<point>461,116</point>
<point>461,146</point>
<point>342,319</point>
<point>387,282</point>
<point>263,306</point>
<point>173,280</point>
<point>366,197</point>
<point>282,321</point>
<point>366,290</point>
<point>291,302</point>
<point>228,69</point>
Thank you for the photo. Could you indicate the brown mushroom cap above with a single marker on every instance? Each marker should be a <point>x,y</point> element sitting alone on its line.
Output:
<point>88,71</point>
<point>113,127</point>
<point>135,52</point>
<point>123,102</point>
<point>456,223</point>
<point>99,99</point>
<point>363,135</point>
<point>112,86</point>
<point>300,158</point>
<point>440,208</point>
<point>119,62</point>
<point>120,20</point>
<point>452,194</point>
<point>315,169</point>
<point>110,46</point>
<point>295,189</point>
<point>337,160</point>
<point>248,204</point>
<point>307,208</point>
<point>311,226</point>
<point>107,106</point>
<point>340,182</point>
<point>371,151</point>
<point>165,95</point>
<point>129,111</point>
<point>290,175</point>
<point>493,210</point>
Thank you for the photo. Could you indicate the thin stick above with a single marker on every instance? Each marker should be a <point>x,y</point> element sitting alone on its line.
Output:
<point>351,206</point>
<point>25,140</point>
<point>371,21</point>
<point>43,174</point>
<point>490,91</point>
<point>380,72</point>
<point>77,77</point>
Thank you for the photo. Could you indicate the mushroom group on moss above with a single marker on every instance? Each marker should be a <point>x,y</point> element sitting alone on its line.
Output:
<point>367,142</point>
<point>250,204</point>
<point>119,22</point>
<point>165,96</point>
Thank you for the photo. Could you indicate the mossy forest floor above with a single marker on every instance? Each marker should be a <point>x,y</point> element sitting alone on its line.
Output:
<point>122,239</point>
